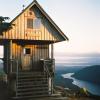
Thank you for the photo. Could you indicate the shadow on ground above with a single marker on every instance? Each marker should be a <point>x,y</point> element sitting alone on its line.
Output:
<point>3,91</point>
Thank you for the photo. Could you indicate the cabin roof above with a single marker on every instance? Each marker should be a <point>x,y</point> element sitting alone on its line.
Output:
<point>46,15</point>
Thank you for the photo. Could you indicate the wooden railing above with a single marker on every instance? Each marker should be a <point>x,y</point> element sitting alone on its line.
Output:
<point>13,63</point>
<point>48,66</point>
<point>14,66</point>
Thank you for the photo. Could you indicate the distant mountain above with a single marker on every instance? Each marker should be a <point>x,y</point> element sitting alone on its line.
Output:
<point>91,74</point>
<point>61,54</point>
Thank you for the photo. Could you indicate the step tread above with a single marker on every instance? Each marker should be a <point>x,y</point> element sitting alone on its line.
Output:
<point>35,74</point>
<point>21,97</point>
<point>32,93</point>
<point>32,79</point>
<point>32,84</point>
<point>30,72</point>
<point>37,85</point>
<point>32,89</point>
<point>31,76</point>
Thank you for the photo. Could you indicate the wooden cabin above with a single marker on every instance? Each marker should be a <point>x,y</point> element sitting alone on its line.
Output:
<point>28,52</point>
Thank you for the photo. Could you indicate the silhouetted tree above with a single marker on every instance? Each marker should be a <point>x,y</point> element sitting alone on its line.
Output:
<point>4,26</point>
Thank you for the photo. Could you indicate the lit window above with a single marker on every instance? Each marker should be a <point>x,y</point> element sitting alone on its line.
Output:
<point>37,23</point>
<point>29,23</point>
<point>27,51</point>
<point>33,23</point>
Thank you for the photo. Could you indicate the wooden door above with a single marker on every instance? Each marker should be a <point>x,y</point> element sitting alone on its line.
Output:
<point>26,59</point>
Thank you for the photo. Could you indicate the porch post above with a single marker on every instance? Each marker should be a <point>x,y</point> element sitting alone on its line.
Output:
<point>52,51</point>
<point>52,57</point>
<point>10,55</point>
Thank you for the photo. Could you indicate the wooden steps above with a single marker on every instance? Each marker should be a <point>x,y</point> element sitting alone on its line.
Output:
<point>31,84</point>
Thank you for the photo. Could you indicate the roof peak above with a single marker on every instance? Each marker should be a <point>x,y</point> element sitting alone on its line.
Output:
<point>45,14</point>
<point>34,0</point>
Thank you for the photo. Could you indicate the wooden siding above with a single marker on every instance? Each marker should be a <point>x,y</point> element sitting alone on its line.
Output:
<point>20,30</point>
<point>37,52</point>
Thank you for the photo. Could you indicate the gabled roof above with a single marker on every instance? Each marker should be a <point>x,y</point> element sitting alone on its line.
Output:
<point>46,15</point>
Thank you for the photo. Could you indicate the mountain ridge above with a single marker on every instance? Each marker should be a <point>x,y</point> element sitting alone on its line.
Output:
<point>90,74</point>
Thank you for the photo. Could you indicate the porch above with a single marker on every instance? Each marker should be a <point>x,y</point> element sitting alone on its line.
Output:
<point>31,83</point>
<point>45,65</point>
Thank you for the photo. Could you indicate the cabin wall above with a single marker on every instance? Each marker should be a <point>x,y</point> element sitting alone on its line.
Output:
<point>37,52</point>
<point>21,31</point>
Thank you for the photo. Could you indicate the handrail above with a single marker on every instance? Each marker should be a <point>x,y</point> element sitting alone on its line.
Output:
<point>17,70</point>
<point>13,63</point>
<point>49,63</point>
<point>16,64</point>
<point>17,76</point>
<point>46,64</point>
<point>46,69</point>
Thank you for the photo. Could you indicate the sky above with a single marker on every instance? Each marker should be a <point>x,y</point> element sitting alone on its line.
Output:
<point>78,19</point>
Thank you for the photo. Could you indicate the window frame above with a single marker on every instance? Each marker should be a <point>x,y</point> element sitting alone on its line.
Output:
<point>29,23</point>
<point>37,22</point>
<point>34,23</point>
<point>27,51</point>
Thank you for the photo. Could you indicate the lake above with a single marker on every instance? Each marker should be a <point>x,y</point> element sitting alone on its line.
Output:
<point>92,88</point>
<point>66,65</point>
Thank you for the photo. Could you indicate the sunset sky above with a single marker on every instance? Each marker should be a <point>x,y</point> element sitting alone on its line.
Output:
<point>78,19</point>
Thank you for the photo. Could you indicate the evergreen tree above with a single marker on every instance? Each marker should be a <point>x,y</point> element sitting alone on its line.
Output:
<point>4,26</point>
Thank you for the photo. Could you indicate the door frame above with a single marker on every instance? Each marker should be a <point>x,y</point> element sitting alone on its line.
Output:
<point>26,55</point>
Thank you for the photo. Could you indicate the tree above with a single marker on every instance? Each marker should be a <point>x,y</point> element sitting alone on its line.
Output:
<point>4,26</point>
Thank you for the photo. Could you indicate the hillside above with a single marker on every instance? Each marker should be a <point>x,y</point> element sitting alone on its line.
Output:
<point>91,74</point>
<point>65,82</point>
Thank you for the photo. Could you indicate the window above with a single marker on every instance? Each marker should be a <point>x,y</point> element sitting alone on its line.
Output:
<point>33,23</point>
<point>27,51</point>
<point>29,23</point>
<point>37,23</point>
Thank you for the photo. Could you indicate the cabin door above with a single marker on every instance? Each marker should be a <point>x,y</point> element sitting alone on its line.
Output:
<point>26,59</point>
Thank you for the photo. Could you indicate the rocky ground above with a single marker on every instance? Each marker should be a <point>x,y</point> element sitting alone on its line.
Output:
<point>60,94</point>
